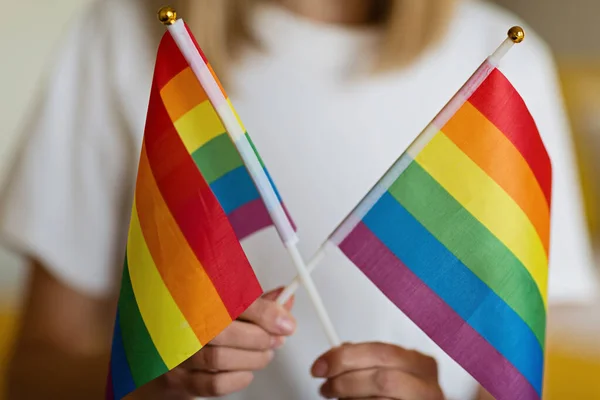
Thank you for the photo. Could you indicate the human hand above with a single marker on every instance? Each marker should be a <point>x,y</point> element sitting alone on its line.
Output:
<point>377,371</point>
<point>226,365</point>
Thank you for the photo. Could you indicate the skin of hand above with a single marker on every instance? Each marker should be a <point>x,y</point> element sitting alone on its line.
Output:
<point>377,371</point>
<point>484,395</point>
<point>227,364</point>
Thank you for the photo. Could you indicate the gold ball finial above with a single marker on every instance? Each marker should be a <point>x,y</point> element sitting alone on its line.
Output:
<point>167,15</point>
<point>516,34</point>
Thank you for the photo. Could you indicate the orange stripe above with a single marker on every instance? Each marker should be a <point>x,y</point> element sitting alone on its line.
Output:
<point>490,149</point>
<point>181,271</point>
<point>217,80</point>
<point>182,93</point>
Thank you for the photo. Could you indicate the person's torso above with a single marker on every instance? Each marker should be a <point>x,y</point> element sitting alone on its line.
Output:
<point>326,136</point>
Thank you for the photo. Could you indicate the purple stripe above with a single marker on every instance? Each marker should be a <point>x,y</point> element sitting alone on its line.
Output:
<point>440,322</point>
<point>249,218</point>
<point>289,216</point>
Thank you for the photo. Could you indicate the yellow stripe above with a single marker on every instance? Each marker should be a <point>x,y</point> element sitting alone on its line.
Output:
<point>171,333</point>
<point>236,115</point>
<point>487,202</point>
<point>198,126</point>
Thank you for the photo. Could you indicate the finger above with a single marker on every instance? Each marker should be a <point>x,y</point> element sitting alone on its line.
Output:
<point>274,295</point>
<point>270,316</point>
<point>244,335</point>
<point>205,384</point>
<point>380,382</point>
<point>218,358</point>
<point>350,357</point>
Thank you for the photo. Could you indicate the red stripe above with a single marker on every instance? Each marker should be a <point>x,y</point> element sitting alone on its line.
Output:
<point>197,212</point>
<point>498,100</point>
<point>169,61</point>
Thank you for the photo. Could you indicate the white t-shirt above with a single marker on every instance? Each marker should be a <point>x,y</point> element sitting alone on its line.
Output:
<point>326,136</point>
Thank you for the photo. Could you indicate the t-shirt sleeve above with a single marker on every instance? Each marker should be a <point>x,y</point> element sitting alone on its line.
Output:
<point>572,274</point>
<point>66,203</point>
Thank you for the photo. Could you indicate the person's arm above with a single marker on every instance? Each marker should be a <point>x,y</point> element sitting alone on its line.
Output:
<point>62,347</point>
<point>65,208</point>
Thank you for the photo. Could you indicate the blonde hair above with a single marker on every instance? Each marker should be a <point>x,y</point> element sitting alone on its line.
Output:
<point>408,27</point>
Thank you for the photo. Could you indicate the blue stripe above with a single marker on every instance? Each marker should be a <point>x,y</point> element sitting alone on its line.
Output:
<point>234,189</point>
<point>272,184</point>
<point>470,297</point>
<point>122,380</point>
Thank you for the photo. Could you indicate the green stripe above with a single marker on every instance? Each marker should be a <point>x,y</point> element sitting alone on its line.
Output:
<point>146,364</point>
<point>255,151</point>
<point>472,243</point>
<point>217,157</point>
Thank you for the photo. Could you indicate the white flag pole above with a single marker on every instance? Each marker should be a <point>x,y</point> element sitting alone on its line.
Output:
<point>290,289</point>
<point>515,35</point>
<point>232,125</point>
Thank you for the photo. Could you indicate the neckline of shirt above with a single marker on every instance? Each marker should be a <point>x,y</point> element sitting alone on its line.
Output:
<point>281,30</point>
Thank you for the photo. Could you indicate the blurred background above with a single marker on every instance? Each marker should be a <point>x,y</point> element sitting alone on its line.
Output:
<point>570,28</point>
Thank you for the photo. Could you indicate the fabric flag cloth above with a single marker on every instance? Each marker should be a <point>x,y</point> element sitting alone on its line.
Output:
<point>186,276</point>
<point>456,234</point>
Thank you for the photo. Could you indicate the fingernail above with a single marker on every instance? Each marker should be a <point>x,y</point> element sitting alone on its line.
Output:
<point>319,370</point>
<point>324,390</point>
<point>286,325</point>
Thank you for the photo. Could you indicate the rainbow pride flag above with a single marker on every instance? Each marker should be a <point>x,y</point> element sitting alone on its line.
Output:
<point>186,276</point>
<point>456,234</point>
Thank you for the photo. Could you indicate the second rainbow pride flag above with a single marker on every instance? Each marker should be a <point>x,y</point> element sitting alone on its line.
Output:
<point>456,235</point>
